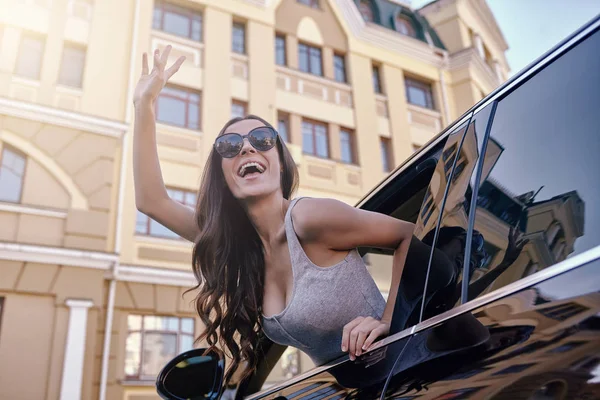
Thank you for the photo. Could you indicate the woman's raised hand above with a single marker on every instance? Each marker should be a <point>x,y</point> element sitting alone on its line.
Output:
<point>152,82</point>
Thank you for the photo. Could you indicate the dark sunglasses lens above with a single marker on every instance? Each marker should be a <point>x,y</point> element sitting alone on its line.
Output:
<point>229,145</point>
<point>262,139</point>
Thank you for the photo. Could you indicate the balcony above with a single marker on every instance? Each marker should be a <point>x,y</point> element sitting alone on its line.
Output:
<point>479,69</point>
<point>424,124</point>
<point>319,98</point>
<point>190,74</point>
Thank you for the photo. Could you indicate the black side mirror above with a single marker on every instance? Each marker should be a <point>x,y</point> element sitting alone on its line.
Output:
<point>192,375</point>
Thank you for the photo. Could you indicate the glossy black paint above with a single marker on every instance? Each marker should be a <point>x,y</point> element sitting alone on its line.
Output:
<point>530,327</point>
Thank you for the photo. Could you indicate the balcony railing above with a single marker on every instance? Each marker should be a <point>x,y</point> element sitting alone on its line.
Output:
<point>314,86</point>
<point>239,66</point>
<point>193,51</point>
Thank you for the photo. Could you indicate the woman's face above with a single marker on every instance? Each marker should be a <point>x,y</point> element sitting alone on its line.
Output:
<point>251,182</point>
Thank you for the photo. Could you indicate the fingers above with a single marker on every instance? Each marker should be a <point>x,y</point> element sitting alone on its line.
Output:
<point>375,333</point>
<point>175,67</point>
<point>156,60</point>
<point>361,335</point>
<point>165,55</point>
<point>347,330</point>
<point>145,64</point>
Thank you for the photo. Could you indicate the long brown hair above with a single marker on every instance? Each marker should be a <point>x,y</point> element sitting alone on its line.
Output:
<point>229,264</point>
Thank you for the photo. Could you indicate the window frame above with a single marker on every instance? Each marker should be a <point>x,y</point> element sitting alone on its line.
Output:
<point>425,87</point>
<point>77,47</point>
<point>361,9</point>
<point>406,19</point>
<point>187,101</point>
<point>14,150</point>
<point>308,48</point>
<point>240,26</point>
<point>285,118</point>
<point>280,38</point>
<point>341,69</point>
<point>148,222</point>
<point>314,124</point>
<point>188,13</point>
<point>239,103</point>
<point>140,376</point>
<point>376,79</point>
<point>386,143</point>
<point>42,40</point>
<point>353,148</point>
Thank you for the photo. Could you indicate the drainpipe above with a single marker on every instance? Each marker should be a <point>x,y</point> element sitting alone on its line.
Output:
<point>112,288</point>
<point>444,93</point>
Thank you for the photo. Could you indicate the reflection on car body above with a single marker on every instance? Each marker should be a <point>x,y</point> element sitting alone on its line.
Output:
<point>500,296</point>
<point>510,195</point>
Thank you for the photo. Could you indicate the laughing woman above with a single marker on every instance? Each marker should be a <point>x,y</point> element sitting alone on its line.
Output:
<point>266,261</point>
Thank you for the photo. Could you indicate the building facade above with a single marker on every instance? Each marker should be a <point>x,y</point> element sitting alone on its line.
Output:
<point>352,87</point>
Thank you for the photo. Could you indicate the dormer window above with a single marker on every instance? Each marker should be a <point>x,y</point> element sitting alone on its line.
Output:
<point>366,10</point>
<point>404,25</point>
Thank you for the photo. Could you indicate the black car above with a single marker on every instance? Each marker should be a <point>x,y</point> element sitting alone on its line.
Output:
<point>505,303</point>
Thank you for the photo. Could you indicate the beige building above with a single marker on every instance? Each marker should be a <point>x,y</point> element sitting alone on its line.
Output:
<point>354,87</point>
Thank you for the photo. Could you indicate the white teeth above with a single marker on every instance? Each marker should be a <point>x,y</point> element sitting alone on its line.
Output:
<point>259,167</point>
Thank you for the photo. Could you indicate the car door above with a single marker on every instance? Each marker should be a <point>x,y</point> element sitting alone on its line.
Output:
<point>523,227</point>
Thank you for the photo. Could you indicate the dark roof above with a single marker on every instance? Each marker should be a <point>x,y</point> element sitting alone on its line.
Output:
<point>385,12</point>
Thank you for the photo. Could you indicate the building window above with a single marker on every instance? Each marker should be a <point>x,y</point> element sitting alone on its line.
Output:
<point>29,60</point>
<point>347,147</point>
<point>386,154</point>
<point>310,59</point>
<point>145,225</point>
<point>419,93</point>
<point>152,341</point>
<point>71,67</point>
<point>12,172</point>
<point>283,124</point>
<point>280,56</point>
<point>178,106</point>
<point>339,66</point>
<point>376,80</point>
<point>366,10</point>
<point>238,38</point>
<point>314,139</point>
<point>310,3</point>
<point>238,109</point>
<point>290,362</point>
<point>404,25</point>
<point>176,20</point>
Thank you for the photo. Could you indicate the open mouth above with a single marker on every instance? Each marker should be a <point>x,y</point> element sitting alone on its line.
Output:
<point>250,169</point>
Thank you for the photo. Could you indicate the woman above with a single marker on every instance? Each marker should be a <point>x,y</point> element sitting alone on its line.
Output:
<point>264,261</point>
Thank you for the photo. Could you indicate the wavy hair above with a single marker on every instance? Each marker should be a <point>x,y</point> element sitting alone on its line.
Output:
<point>229,264</point>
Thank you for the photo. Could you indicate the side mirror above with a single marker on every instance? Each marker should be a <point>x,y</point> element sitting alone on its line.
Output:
<point>192,375</point>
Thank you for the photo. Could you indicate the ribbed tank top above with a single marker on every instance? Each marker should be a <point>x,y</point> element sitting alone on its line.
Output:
<point>323,300</point>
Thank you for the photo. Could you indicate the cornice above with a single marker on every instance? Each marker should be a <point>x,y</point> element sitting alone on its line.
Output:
<point>56,255</point>
<point>152,275</point>
<point>469,57</point>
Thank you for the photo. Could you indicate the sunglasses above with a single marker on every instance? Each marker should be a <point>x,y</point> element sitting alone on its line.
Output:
<point>262,138</point>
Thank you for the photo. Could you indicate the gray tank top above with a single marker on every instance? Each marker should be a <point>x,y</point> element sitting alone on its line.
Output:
<point>323,300</point>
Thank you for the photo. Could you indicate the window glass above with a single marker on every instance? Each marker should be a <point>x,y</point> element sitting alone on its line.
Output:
<point>310,3</point>
<point>238,37</point>
<point>12,170</point>
<point>419,93</point>
<point>386,154</point>
<point>238,109</point>
<point>366,10</point>
<point>540,173</point>
<point>339,65</point>
<point>321,140</point>
<point>152,341</point>
<point>282,127</point>
<point>376,80</point>
<point>144,225</point>
<point>404,25</point>
<point>346,146</point>
<point>29,59</point>
<point>280,57</point>
<point>307,138</point>
<point>176,20</point>
<point>178,106</point>
<point>71,67</point>
<point>309,59</point>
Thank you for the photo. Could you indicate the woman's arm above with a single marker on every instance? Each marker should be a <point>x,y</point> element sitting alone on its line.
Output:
<point>342,227</point>
<point>151,196</point>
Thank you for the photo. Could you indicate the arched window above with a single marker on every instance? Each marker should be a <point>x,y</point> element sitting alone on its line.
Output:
<point>366,10</point>
<point>404,25</point>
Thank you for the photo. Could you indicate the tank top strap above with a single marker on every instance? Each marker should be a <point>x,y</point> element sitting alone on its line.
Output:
<point>297,255</point>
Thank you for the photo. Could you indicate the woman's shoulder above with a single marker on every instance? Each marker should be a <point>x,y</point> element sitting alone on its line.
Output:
<point>312,216</point>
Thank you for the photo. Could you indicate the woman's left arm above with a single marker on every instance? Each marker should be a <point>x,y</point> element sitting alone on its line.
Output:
<point>343,227</point>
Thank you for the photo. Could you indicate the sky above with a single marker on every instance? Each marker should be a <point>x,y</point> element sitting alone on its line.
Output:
<point>531,27</point>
